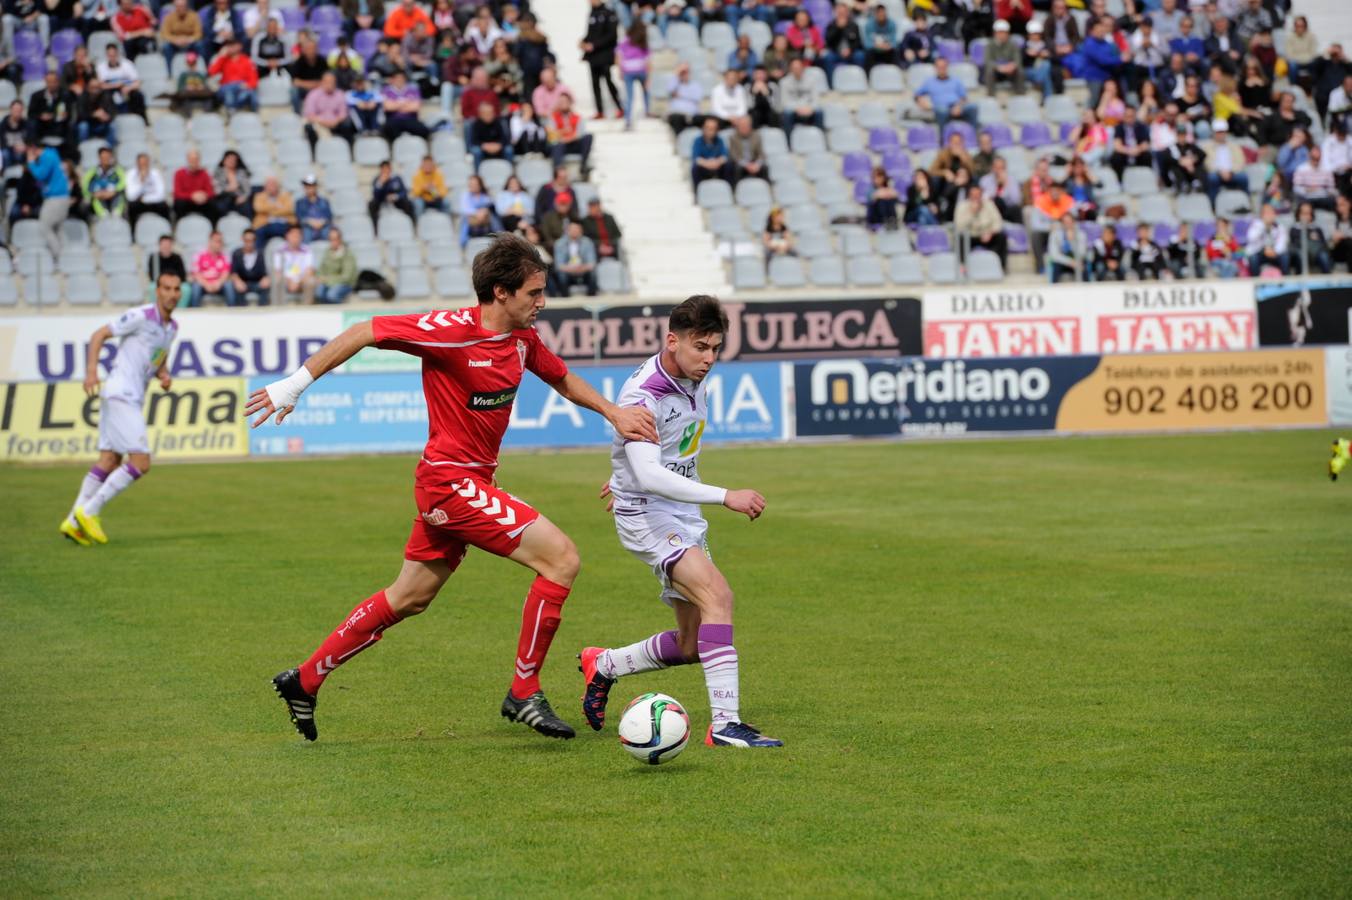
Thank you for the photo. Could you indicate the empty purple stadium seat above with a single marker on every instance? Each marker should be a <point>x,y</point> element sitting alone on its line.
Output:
<point>977,53</point>
<point>1001,136</point>
<point>952,51</point>
<point>1017,238</point>
<point>366,42</point>
<point>856,165</point>
<point>1163,233</point>
<point>28,43</point>
<point>327,41</point>
<point>1092,231</point>
<point>930,239</point>
<point>1034,135</point>
<point>820,11</point>
<point>326,16</point>
<point>64,43</point>
<point>897,164</point>
<point>34,67</point>
<point>1240,229</point>
<point>293,18</point>
<point>1066,129</point>
<point>920,138</point>
<point>960,127</point>
<point>880,140</point>
<point>1203,232</point>
<point>861,191</point>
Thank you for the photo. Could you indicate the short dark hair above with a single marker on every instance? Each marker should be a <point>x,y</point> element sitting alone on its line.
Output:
<point>506,263</point>
<point>700,314</point>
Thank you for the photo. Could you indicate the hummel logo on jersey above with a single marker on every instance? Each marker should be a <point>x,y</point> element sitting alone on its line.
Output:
<point>436,517</point>
<point>493,400</point>
<point>480,363</point>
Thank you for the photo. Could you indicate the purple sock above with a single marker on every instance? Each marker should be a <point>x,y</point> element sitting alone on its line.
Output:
<point>719,658</point>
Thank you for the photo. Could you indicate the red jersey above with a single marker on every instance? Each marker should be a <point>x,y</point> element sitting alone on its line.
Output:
<point>470,379</point>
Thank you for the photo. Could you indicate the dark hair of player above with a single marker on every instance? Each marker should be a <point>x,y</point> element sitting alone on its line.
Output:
<point>164,275</point>
<point>700,314</point>
<point>506,263</point>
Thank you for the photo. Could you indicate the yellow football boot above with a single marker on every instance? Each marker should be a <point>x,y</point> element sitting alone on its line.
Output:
<point>72,532</point>
<point>1340,457</point>
<point>91,525</point>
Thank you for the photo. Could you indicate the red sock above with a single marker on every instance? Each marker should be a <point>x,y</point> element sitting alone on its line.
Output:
<point>359,630</point>
<point>539,621</point>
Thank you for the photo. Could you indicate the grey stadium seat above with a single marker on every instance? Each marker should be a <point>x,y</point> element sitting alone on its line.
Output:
<point>714,194</point>
<point>452,282</point>
<point>890,243</point>
<point>886,79</point>
<point>906,269</point>
<point>983,265</point>
<point>126,289</point>
<point>748,272</point>
<point>120,261</point>
<point>149,229</point>
<point>866,271</point>
<point>787,272</point>
<point>847,139</point>
<point>42,291</point>
<point>610,277</point>
<point>413,283</point>
<point>943,268</point>
<point>828,271</point>
<point>752,192</point>
<point>807,139</point>
<point>1156,209</point>
<point>849,80</point>
<point>814,244</point>
<point>855,241</point>
<point>726,223</point>
<point>1023,110</point>
<point>84,290</point>
<point>1139,181</point>
<point>1194,208</point>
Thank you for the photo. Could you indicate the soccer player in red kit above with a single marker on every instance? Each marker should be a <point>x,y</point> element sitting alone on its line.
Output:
<point>473,362</point>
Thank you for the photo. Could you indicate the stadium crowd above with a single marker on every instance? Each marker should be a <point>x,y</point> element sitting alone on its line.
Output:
<point>1230,106</point>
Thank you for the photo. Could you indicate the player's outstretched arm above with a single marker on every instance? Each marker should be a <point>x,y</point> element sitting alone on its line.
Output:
<point>633,423</point>
<point>96,342</point>
<point>654,478</point>
<point>280,397</point>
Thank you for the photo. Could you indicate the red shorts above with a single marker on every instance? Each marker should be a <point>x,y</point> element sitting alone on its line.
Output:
<point>468,513</point>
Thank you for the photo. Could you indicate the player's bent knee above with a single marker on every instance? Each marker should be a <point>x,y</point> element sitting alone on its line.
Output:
<point>407,603</point>
<point>562,563</point>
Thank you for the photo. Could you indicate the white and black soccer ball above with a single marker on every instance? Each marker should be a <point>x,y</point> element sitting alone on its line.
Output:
<point>654,728</point>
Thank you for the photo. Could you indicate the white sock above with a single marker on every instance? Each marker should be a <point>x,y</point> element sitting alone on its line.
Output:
<point>93,480</point>
<point>117,482</point>
<point>719,658</point>
<point>656,652</point>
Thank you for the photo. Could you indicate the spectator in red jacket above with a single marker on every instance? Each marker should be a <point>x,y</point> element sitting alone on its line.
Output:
<point>402,18</point>
<point>193,189</point>
<point>239,77</point>
<point>478,92</point>
<point>135,28</point>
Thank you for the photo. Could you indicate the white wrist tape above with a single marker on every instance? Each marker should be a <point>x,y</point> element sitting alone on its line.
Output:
<point>287,391</point>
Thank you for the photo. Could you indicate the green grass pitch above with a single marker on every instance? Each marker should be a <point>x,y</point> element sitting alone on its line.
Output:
<point>1116,666</point>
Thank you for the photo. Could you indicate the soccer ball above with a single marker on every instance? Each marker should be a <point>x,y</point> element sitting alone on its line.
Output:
<point>654,728</point>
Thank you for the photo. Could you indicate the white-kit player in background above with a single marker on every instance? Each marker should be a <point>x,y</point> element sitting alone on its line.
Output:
<point>144,336</point>
<point>655,495</point>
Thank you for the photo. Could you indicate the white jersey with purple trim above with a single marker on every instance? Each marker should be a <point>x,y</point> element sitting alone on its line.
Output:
<point>143,344</point>
<point>678,407</point>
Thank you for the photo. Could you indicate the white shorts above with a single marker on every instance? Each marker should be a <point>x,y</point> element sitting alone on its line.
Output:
<point>660,538</point>
<point>122,427</point>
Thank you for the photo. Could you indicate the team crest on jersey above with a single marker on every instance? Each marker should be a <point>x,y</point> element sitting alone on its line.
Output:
<point>690,439</point>
<point>674,539</point>
<point>436,517</point>
<point>521,352</point>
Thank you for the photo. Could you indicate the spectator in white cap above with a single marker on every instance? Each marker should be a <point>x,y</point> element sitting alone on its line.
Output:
<point>1037,59</point>
<point>1224,163</point>
<point>1004,61</point>
<point>313,211</point>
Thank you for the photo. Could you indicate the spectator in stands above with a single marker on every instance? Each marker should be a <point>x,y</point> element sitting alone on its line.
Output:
<point>635,60</point>
<point>504,74</point>
<point>343,50</point>
<point>924,200</point>
<point>882,201</point>
<point>14,134</point>
<point>1147,257</point>
<point>477,215</point>
<point>248,273</point>
<point>951,158</point>
<point>210,271</point>
<point>1107,262</point>
<point>1188,44</point>
<point>1301,50</point>
<point>402,102</point>
<point>1111,109</point>
<point>1309,246</point>
<point>532,51</point>
<point>313,212</point>
<point>547,92</point>
<point>1277,127</point>
<point>1003,190</point>
<point>78,72</point>
<point>602,230</point>
<point>512,204</point>
<point>231,185</point>
<point>270,54</point>
<point>728,100</point>
<point>388,59</point>
<point>1053,204</point>
<point>239,77</point>
<point>554,224</point>
<point>482,31</point>
<point>254,19</point>
<point>880,39</point>
<point>1062,34</point>
<point>1131,143</point>
<point>180,30</point>
<point>97,16</point>
<point>544,198</point>
<point>1224,255</point>
<point>1089,139</point>
<point>1293,152</point>
<point>419,48</point>
<point>763,99</point>
<point>344,74</point>
<point>1267,243</point>
<point>799,97</point>
<point>1037,59</point>
<point>165,260</point>
<point>364,106</point>
<point>1222,45</point>
<point>574,262</point>
<point>135,28</point>
<point>1067,251</point>
<point>400,20</point>
<point>193,92</point>
<point>52,111</point>
<point>945,96</point>
<point>1183,255</point>
<point>293,268</point>
<point>805,37</point>
<point>1164,141</point>
<point>95,112</point>
<point>121,78</point>
<point>105,186</point>
<point>1004,61</point>
<point>1193,107</point>
<point>684,96</point>
<point>325,112</point>
<point>1148,54</point>
<point>843,43</point>
<point>1252,19</point>
<point>429,189</point>
<point>388,190</point>
<point>25,15</point>
<point>1097,60</point>
<point>1340,242</point>
<point>917,45</point>
<point>1312,182</point>
<point>337,273</point>
<point>488,137</point>
<point>193,190</point>
<point>747,151</point>
<point>221,21</point>
<point>274,211</point>
<point>1189,165</point>
<point>742,59</point>
<point>1225,163</point>
<point>527,133</point>
<point>363,15</point>
<point>598,49</point>
<point>1276,195</point>
<point>306,70</point>
<point>777,57</point>
<point>776,237</point>
<point>984,157</point>
<point>145,191</point>
<point>567,134</point>
<point>978,219</point>
<point>709,155</point>
<point>1336,151</point>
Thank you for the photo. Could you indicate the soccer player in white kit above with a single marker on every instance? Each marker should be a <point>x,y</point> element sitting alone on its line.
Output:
<point>656,493</point>
<point>144,336</point>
